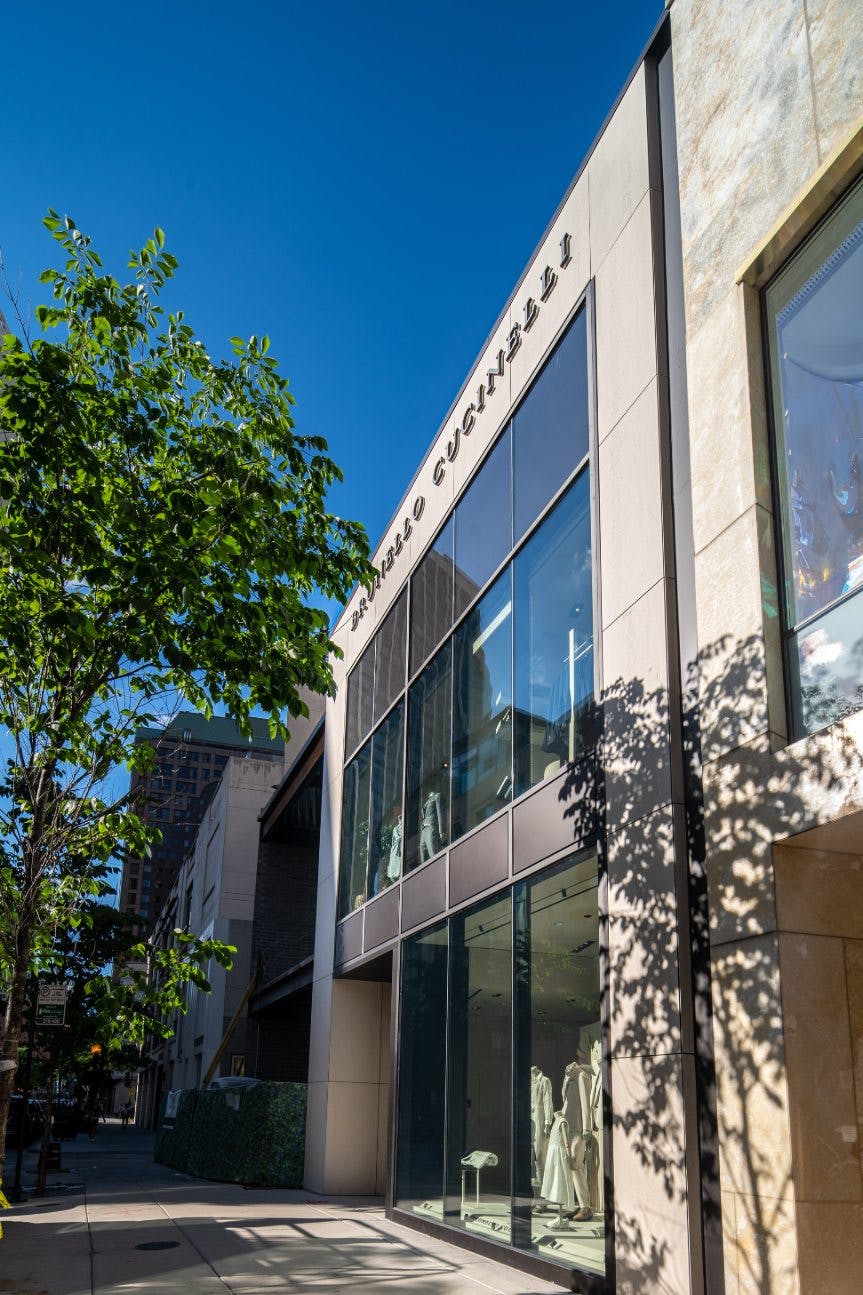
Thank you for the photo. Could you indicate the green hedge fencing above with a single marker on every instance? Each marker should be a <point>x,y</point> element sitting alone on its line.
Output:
<point>254,1135</point>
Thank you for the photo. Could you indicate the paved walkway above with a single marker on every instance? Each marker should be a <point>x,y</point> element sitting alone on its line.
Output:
<point>116,1223</point>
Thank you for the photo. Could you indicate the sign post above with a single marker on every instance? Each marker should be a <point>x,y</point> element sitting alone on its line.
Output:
<point>51,1005</point>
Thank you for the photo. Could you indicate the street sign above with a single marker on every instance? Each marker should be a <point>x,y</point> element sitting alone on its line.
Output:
<point>51,1005</point>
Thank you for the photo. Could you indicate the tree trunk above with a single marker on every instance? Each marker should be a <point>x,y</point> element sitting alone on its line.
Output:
<point>24,938</point>
<point>12,1025</point>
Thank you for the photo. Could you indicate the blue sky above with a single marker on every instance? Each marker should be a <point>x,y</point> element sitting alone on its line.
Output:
<point>364,183</point>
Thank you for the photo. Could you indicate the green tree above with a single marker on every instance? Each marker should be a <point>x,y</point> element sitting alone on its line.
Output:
<point>164,531</point>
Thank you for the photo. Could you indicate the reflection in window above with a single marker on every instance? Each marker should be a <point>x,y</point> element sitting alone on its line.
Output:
<point>479,1097</point>
<point>550,429</point>
<point>355,833</point>
<point>429,735</point>
<point>431,598</point>
<point>482,709</point>
<point>390,657</point>
<point>483,525</point>
<point>422,1056</point>
<point>816,354</point>
<point>361,682</point>
<point>554,642</point>
<point>385,859</point>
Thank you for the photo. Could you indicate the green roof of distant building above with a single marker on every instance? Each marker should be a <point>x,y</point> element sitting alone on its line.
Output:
<point>220,730</point>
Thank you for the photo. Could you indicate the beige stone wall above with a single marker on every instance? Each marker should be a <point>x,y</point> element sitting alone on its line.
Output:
<point>819,902</point>
<point>763,95</point>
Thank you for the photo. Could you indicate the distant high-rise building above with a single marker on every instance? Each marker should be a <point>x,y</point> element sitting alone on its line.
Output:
<point>191,752</point>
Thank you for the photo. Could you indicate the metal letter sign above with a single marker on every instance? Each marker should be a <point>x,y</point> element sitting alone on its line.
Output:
<point>51,1005</point>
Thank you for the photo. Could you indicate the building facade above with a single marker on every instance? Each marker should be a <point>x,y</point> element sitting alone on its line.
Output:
<point>191,754</point>
<point>284,918</point>
<point>213,896</point>
<point>587,987</point>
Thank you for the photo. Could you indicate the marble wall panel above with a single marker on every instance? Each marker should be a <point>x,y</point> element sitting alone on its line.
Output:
<point>735,597</point>
<point>818,1048</point>
<point>652,1242</point>
<point>745,132</point>
<point>752,1090</point>
<point>766,1246</point>
<point>836,57</point>
<point>819,891</point>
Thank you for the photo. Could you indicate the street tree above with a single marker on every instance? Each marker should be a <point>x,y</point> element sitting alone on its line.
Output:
<point>165,539</point>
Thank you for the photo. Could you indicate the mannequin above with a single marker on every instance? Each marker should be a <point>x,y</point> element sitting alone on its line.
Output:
<point>432,828</point>
<point>541,1117</point>
<point>582,1105</point>
<point>557,1178</point>
<point>394,864</point>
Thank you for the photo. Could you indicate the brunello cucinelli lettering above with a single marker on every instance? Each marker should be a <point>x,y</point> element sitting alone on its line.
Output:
<point>391,553</point>
<point>450,445</point>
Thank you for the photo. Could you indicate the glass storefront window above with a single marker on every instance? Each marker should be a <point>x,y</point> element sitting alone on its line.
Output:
<point>385,841</point>
<point>482,709</point>
<point>429,741</point>
<point>355,832</point>
<point>500,1010</point>
<point>483,524</point>
<point>361,682</point>
<point>390,657</point>
<point>422,1073</point>
<point>471,743</point>
<point>826,666</point>
<point>553,628</point>
<point>478,1092</point>
<point>816,361</point>
<point>558,1187</point>
<point>551,429</point>
<point>432,598</point>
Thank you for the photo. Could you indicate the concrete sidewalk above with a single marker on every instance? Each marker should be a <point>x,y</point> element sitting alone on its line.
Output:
<point>116,1222</point>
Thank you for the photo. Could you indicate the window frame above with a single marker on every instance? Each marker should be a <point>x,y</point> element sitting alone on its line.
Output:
<point>789,628</point>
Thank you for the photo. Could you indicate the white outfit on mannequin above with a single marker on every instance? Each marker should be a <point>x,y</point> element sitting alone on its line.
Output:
<point>577,1114</point>
<point>557,1177</point>
<point>582,1105</point>
<point>394,866</point>
<point>541,1117</point>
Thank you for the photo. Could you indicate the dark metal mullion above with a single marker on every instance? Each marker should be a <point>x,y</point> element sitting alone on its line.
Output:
<point>780,530</point>
<point>520,1226</point>
<point>405,690</point>
<point>513,1062</point>
<point>391,1186</point>
<point>600,805</point>
<point>453,1054</point>
<point>798,626</point>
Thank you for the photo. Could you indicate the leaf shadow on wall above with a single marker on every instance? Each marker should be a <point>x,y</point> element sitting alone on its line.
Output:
<point>672,921</point>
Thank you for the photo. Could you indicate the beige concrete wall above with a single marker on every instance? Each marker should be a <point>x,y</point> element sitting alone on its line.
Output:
<point>349,1087</point>
<point>819,901</point>
<point>763,94</point>
<point>657,1228</point>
